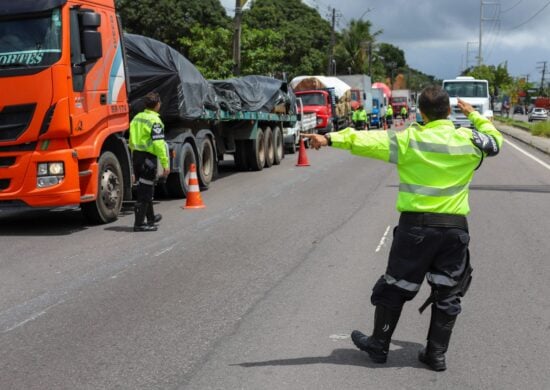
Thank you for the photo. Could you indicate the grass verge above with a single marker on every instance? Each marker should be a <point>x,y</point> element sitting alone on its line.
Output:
<point>541,129</point>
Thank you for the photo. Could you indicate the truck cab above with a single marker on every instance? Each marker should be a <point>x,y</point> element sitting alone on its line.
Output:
<point>321,103</point>
<point>475,92</point>
<point>66,111</point>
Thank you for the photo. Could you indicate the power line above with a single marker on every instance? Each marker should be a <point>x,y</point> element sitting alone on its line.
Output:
<point>512,7</point>
<point>532,17</point>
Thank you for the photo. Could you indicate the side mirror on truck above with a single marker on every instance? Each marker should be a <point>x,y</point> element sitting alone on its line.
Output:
<point>91,38</point>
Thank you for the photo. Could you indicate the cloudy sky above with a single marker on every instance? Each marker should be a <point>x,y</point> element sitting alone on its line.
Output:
<point>435,34</point>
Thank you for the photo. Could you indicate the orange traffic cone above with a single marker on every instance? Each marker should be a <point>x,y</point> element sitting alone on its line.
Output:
<point>302,157</point>
<point>193,199</point>
<point>385,125</point>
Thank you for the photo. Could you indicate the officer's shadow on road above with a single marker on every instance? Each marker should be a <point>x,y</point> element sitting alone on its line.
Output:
<point>402,354</point>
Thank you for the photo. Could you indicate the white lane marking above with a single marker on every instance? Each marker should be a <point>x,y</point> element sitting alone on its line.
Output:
<point>528,154</point>
<point>32,318</point>
<point>338,336</point>
<point>383,239</point>
<point>164,251</point>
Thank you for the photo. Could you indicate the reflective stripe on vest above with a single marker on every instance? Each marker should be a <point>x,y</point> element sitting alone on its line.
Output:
<point>443,148</point>
<point>431,191</point>
<point>394,149</point>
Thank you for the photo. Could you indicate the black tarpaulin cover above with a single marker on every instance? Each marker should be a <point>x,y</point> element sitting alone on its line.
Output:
<point>256,93</point>
<point>185,93</point>
<point>155,66</point>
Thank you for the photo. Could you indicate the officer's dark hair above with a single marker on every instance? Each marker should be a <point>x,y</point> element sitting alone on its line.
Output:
<point>434,102</point>
<point>151,100</point>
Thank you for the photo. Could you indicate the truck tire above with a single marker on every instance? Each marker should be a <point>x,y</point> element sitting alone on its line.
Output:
<point>207,163</point>
<point>176,183</point>
<point>255,152</point>
<point>292,148</point>
<point>110,194</point>
<point>278,146</point>
<point>240,155</point>
<point>269,149</point>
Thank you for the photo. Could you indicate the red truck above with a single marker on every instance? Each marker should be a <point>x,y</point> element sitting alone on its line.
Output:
<point>542,102</point>
<point>328,97</point>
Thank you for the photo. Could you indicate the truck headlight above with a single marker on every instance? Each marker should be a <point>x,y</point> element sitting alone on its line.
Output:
<point>49,174</point>
<point>51,168</point>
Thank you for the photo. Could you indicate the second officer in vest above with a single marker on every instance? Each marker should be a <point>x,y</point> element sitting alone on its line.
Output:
<point>435,164</point>
<point>147,145</point>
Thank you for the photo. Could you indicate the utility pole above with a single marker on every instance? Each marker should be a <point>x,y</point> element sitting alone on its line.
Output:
<point>468,51</point>
<point>481,20</point>
<point>237,38</point>
<point>332,42</point>
<point>542,78</point>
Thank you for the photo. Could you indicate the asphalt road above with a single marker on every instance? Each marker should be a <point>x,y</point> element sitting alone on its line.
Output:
<point>261,289</point>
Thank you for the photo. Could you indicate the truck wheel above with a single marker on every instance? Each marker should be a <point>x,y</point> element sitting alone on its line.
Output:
<point>278,146</point>
<point>269,149</point>
<point>108,203</point>
<point>255,152</point>
<point>176,183</point>
<point>240,155</point>
<point>292,148</point>
<point>207,164</point>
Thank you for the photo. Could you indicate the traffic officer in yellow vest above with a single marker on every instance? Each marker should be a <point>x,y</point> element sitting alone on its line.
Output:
<point>359,118</point>
<point>403,113</point>
<point>435,164</point>
<point>389,116</point>
<point>147,144</point>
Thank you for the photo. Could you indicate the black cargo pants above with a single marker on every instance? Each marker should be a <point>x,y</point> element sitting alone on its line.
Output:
<point>145,170</point>
<point>421,248</point>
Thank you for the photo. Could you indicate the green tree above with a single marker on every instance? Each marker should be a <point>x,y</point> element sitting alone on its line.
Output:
<point>209,49</point>
<point>169,20</point>
<point>355,44</point>
<point>303,34</point>
<point>392,58</point>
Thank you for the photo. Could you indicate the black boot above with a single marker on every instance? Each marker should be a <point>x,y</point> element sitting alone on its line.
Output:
<point>378,345</point>
<point>140,209</point>
<point>441,327</point>
<point>152,218</point>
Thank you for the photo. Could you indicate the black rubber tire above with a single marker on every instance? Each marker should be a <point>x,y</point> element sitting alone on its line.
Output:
<point>176,183</point>
<point>108,203</point>
<point>292,148</point>
<point>255,152</point>
<point>207,163</point>
<point>278,146</point>
<point>269,148</point>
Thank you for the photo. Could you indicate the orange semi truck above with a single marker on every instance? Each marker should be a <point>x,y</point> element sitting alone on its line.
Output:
<point>64,112</point>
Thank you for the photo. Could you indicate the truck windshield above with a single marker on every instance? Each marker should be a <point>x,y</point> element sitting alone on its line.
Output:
<point>30,40</point>
<point>399,100</point>
<point>313,99</point>
<point>471,89</point>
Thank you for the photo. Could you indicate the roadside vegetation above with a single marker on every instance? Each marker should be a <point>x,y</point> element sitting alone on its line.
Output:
<point>541,129</point>
<point>280,38</point>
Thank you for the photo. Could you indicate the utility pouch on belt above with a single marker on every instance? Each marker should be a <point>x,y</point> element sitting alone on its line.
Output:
<point>460,289</point>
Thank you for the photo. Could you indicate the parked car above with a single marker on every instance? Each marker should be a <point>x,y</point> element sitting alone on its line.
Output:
<point>518,110</point>
<point>537,114</point>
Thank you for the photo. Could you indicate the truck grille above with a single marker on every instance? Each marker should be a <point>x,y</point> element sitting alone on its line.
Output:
<point>14,120</point>
<point>4,183</point>
<point>6,162</point>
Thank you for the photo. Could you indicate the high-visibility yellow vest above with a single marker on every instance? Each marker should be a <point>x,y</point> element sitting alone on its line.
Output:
<point>359,115</point>
<point>389,111</point>
<point>147,135</point>
<point>435,163</point>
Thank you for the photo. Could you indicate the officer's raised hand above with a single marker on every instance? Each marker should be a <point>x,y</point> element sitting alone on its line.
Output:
<point>317,140</point>
<point>465,107</point>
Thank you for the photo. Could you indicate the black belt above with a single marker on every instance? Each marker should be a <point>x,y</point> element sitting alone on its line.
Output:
<point>434,219</point>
